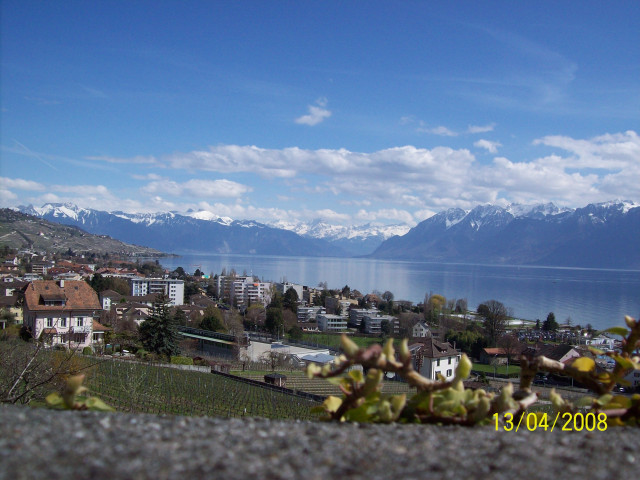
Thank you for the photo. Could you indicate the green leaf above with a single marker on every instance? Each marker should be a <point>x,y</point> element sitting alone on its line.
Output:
<point>623,332</point>
<point>585,401</point>
<point>604,399</point>
<point>596,351</point>
<point>331,403</point>
<point>357,376</point>
<point>584,364</point>
<point>624,362</point>
<point>54,400</point>
<point>94,403</point>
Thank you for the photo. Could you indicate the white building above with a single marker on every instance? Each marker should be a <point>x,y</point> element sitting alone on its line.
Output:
<point>357,314</point>
<point>61,312</point>
<point>431,358</point>
<point>283,287</point>
<point>309,314</point>
<point>373,324</point>
<point>420,330</point>
<point>331,323</point>
<point>172,288</point>
<point>243,290</point>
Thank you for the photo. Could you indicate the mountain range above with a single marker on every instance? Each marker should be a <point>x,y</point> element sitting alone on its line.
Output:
<point>604,235</point>
<point>601,235</point>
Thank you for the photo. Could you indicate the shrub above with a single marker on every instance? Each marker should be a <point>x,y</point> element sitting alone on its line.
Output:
<point>179,360</point>
<point>87,351</point>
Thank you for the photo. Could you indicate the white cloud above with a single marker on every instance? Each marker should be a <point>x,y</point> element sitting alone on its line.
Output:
<point>137,159</point>
<point>393,214</point>
<point>395,184</point>
<point>481,129</point>
<point>610,151</point>
<point>198,188</point>
<point>7,196</point>
<point>491,147</point>
<point>441,130</point>
<point>20,184</point>
<point>317,113</point>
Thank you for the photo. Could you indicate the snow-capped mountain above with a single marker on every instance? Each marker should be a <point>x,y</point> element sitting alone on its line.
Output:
<point>356,239</point>
<point>194,232</point>
<point>599,235</point>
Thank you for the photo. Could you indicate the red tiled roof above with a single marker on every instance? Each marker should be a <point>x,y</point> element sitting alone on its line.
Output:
<point>98,327</point>
<point>77,293</point>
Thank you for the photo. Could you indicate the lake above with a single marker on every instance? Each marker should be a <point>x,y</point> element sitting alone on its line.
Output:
<point>595,296</point>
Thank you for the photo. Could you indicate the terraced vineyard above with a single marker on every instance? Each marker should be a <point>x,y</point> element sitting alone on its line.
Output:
<point>298,380</point>
<point>131,387</point>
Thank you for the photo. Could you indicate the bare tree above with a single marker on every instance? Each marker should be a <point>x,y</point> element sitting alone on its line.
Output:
<point>511,345</point>
<point>495,319</point>
<point>28,371</point>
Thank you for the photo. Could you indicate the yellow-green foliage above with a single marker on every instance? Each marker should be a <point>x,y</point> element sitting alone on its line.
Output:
<point>72,399</point>
<point>448,402</point>
<point>177,360</point>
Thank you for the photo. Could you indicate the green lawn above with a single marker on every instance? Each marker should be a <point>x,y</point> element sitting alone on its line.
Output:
<point>333,339</point>
<point>500,369</point>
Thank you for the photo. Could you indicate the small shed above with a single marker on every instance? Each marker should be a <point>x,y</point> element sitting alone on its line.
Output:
<point>276,379</point>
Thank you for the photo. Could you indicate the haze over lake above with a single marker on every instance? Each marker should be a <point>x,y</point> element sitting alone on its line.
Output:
<point>595,296</point>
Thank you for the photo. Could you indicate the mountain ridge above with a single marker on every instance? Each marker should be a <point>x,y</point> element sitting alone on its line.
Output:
<point>597,235</point>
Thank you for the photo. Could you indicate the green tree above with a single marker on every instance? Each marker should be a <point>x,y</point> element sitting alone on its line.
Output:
<point>180,317</point>
<point>550,324</point>
<point>180,273</point>
<point>290,300</point>
<point>385,327</point>
<point>295,333</point>
<point>274,321</point>
<point>159,333</point>
<point>212,320</point>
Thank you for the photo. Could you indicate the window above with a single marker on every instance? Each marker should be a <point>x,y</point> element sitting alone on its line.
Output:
<point>449,360</point>
<point>49,322</point>
<point>63,322</point>
<point>449,372</point>
<point>438,362</point>
<point>80,321</point>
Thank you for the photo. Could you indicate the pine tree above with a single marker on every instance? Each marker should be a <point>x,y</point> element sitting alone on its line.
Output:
<point>159,333</point>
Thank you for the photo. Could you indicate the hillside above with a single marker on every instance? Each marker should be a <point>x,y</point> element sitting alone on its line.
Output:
<point>19,230</point>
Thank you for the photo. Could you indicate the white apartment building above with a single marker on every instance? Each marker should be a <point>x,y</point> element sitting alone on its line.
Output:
<point>283,287</point>
<point>331,323</point>
<point>373,324</point>
<point>357,314</point>
<point>171,287</point>
<point>243,290</point>
<point>309,314</point>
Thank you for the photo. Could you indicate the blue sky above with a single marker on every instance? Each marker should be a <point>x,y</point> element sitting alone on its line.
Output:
<point>352,112</point>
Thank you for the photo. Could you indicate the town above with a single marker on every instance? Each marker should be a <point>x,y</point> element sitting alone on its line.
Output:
<point>106,306</point>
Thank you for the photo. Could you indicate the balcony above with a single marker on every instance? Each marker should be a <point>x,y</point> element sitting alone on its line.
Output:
<point>81,329</point>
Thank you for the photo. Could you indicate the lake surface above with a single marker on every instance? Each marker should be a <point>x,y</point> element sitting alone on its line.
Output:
<point>598,297</point>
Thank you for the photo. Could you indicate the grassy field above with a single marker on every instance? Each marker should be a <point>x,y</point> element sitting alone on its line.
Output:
<point>131,387</point>
<point>333,339</point>
<point>500,369</point>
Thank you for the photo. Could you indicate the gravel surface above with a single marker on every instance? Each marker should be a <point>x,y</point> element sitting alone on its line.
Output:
<point>44,444</point>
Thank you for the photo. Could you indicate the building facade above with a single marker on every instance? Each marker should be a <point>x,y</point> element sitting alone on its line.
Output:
<point>331,323</point>
<point>432,358</point>
<point>172,288</point>
<point>61,312</point>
